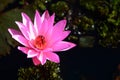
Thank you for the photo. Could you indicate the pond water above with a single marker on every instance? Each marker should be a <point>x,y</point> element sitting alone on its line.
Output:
<point>90,64</point>
<point>76,64</point>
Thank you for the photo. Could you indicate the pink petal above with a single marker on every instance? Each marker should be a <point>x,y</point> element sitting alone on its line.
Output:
<point>63,46</point>
<point>59,27</point>
<point>51,20</point>
<point>37,22</point>
<point>45,15</point>
<point>25,19</point>
<point>23,29</point>
<point>44,29</point>
<point>32,53</point>
<point>58,37</point>
<point>61,36</point>
<point>14,32</point>
<point>36,61</point>
<point>32,31</point>
<point>23,49</point>
<point>42,58</point>
<point>18,37</point>
<point>58,32</point>
<point>52,57</point>
<point>50,26</point>
<point>32,46</point>
<point>30,27</point>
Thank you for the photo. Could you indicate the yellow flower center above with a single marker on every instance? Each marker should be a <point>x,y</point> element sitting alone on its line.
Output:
<point>40,42</point>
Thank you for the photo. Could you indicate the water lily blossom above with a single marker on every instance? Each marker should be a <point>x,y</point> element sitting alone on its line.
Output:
<point>42,38</point>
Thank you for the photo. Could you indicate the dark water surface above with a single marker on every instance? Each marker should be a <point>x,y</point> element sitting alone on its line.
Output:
<point>93,64</point>
<point>76,64</point>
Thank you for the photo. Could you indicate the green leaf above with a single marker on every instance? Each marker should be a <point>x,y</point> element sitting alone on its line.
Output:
<point>60,8</point>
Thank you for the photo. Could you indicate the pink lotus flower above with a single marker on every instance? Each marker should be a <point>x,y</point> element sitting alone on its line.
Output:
<point>41,38</point>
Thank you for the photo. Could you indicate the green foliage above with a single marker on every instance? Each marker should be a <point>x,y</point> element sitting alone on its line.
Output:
<point>39,4</point>
<point>105,17</point>
<point>109,28</point>
<point>60,8</point>
<point>49,71</point>
<point>86,24</point>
